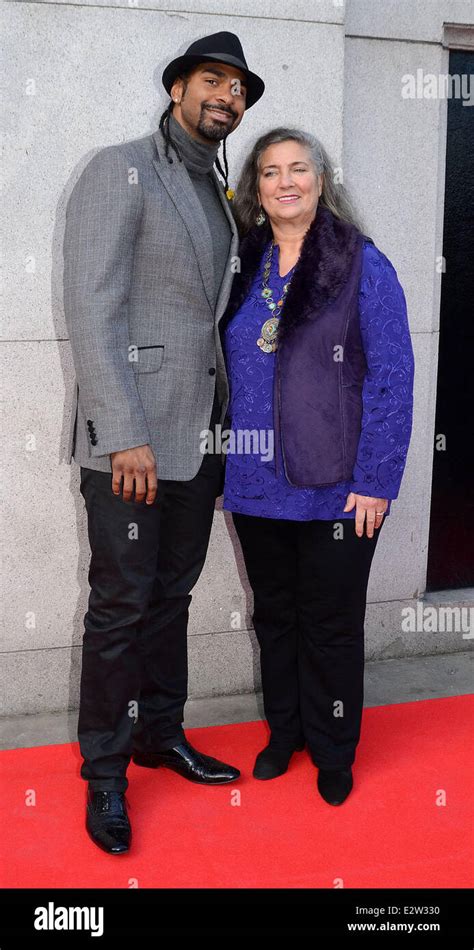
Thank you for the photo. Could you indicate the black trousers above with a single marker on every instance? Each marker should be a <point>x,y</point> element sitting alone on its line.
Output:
<point>145,559</point>
<point>310,587</point>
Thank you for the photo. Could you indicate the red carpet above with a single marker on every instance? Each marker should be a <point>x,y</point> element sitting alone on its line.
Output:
<point>390,832</point>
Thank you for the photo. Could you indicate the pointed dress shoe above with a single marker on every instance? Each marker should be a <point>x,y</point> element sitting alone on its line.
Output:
<point>271,762</point>
<point>334,786</point>
<point>107,821</point>
<point>189,763</point>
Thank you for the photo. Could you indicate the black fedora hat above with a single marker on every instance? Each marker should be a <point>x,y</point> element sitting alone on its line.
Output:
<point>218,48</point>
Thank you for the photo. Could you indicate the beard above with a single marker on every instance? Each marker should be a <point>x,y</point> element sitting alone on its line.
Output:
<point>213,129</point>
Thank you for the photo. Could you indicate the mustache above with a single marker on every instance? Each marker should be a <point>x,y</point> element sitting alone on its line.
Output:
<point>217,109</point>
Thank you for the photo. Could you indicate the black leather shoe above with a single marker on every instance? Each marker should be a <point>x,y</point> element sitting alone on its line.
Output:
<point>271,762</point>
<point>335,786</point>
<point>107,820</point>
<point>189,763</point>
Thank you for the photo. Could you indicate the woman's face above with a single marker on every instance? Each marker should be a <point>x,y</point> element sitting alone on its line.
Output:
<point>288,184</point>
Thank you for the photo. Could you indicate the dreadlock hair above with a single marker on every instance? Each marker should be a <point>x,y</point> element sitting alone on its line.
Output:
<point>170,143</point>
<point>225,173</point>
<point>164,126</point>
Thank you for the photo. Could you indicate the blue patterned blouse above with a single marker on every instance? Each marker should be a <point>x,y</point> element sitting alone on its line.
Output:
<point>251,484</point>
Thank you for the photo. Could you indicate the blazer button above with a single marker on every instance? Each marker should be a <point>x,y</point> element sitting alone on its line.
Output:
<point>212,371</point>
<point>93,440</point>
<point>90,423</point>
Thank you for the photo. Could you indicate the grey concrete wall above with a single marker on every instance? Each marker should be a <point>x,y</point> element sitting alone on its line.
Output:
<point>81,75</point>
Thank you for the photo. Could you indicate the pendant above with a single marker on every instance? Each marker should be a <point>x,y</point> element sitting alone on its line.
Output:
<point>267,340</point>
<point>270,329</point>
<point>266,347</point>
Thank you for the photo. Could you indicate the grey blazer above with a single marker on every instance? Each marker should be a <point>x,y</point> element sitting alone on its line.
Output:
<point>140,309</point>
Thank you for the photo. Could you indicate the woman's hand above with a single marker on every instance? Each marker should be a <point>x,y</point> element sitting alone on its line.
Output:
<point>370,510</point>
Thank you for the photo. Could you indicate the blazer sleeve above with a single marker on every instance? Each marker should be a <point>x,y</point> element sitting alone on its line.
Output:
<point>102,220</point>
<point>387,395</point>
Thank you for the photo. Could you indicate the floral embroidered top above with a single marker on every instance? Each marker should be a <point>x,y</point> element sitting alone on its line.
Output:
<point>251,484</point>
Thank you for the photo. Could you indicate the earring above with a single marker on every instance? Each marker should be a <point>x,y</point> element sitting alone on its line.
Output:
<point>261,217</point>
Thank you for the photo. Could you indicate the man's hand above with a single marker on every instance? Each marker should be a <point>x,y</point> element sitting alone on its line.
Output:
<point>370,510</point>
<point>139,465</point>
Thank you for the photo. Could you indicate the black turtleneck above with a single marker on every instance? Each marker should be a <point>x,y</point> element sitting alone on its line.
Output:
<point>199,158</point>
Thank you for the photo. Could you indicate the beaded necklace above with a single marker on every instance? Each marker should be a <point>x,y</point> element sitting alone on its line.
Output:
<point>268,339</point>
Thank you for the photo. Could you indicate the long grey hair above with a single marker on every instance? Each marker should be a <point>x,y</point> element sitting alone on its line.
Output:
<point>333,195</point>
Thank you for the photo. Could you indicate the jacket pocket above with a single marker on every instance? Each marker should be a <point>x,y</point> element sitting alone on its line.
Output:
<point>149,359</point>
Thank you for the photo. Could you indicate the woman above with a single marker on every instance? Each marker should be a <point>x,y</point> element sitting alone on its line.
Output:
<point>319,354</point>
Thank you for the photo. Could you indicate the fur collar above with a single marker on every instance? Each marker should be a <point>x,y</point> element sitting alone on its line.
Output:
<point>320,273</point>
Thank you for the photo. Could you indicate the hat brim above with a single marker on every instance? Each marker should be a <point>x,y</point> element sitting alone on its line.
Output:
<point>255,85</point>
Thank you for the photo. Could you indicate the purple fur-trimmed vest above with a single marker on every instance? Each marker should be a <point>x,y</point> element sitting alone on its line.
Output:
<point>320,363</point>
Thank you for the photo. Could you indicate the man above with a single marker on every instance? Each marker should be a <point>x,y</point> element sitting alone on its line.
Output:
<point>147,250</point>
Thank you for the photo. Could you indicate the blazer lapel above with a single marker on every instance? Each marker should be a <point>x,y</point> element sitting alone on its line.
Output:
<point>181,191</point>
<point>180,188</point>
<point>227,279</point>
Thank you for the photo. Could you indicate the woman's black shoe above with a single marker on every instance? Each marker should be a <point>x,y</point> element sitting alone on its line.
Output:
<point>335,786</point>
<point>271,762</point>
<point>107,820</point>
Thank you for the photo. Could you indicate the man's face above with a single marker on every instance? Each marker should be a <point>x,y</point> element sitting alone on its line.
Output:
<point>211,102</point>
